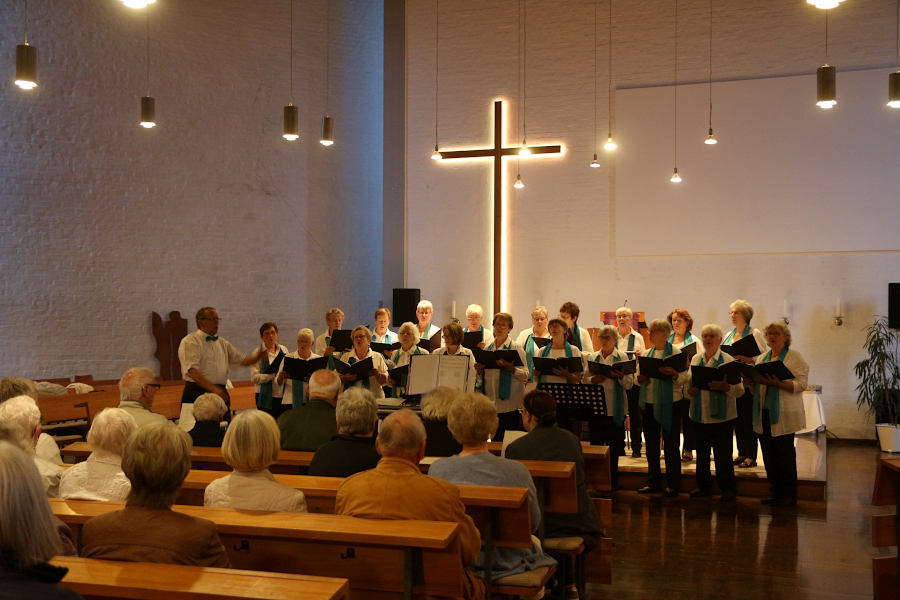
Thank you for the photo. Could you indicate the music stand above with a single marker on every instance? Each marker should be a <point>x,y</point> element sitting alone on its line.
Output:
<point>577,401</point>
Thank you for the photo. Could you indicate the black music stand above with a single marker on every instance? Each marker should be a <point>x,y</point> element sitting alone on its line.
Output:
<point>577,401</point>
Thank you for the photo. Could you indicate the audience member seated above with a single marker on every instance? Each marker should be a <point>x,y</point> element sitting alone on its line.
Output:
<point>251,445</point>
<point>309,426</point>
<point>435,406</point>
<point>10,387</point>
<point>12,433</point>
<point>24,412</point>
<point>473,421</point>
<point>353,448</point>
<point>397,489</point>
<point>138,387</point>
<point>545,440</point>
<point>28,535</point>
<point>156,460</point>
<point>208,412</point>
<point>100,477</point>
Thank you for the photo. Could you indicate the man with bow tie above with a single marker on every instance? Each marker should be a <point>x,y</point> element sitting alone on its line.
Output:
<point>205,358</point>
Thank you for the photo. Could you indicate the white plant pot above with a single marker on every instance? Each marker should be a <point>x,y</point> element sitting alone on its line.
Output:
<point>888,437</point>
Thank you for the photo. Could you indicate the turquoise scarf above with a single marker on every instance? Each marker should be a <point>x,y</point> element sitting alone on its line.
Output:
<point>688,338</point>
<point>297,395</point>
<point>505,376</point>
<point>718,407</point>
<point>730,337</point>
<point>576,337</point>
<point>662,393</point>
<point>400,390</point>
<point>264,399</point>
<point>631,337</point>
<point>773,400</point>
<point>546,352</point>
<point>618,391</point>
<point>529,355</point>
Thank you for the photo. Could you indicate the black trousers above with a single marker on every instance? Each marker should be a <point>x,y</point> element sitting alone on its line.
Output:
<point>634,417</point>
<point>652,432</point>
<point>780,457</point>
<point>747,445</point>
<point>687,426</point>
<point>605,432</point>
<point>715,436</point>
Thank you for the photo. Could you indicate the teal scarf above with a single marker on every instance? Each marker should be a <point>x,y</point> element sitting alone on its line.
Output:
<point>631,337</point>
<point>297,395</point>
<point>773,400</point>
<point>546,352</point>
<point>264,399</point>
<point>662,393</point>
<point>400,390</point>
<point>688,338</point>
<point>718,407</point>
<point>618,391</point>
<point>576,337</point>
<point>505,376</point>
<point>730,337</point>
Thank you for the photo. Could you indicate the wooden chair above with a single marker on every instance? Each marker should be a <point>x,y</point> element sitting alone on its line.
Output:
<point>117,579</point>
<point>64,417</point>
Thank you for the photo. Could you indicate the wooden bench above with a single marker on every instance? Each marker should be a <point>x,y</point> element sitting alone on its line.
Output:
<point>64,417</point>
<point>597,466</point>
<point>116,579</point>
<point>886,530</point>
<point>421,557</point>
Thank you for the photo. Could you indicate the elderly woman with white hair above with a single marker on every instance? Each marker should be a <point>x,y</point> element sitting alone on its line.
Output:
<point>538,329</point>
<point>778,412</point>
<point>473,420</point>
<point>377,376</point>
<point>251,445</point>
<point>453,339</point>
<point>156,460</point>
<point>353,448</point>
<point>100,477</point>
<point>28,534</point>
<point>424,314</point>
<point>661,413</point>
<point>631,343</point>
<point>747,444</point>
<point>10,387</point>
<point>713,412</point>
<point>334,318</point>
<point>24,412</point>
<point>408,335</point>
<point>209,409</point>
<point>297,391</point>
<point>505,384</point>
<point>475,319</point>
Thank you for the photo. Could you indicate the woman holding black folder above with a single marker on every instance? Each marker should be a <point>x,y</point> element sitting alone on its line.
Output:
<point>505,385</point>
<point>377,375</point>
<point>558,348</point>
<point>681,336</point>
<point>747,446</point>
<point>453,337</point>
<point>269,389</point>
<point>526,339</point>
<point>295,391</point>
<point>778,412</point>
<point>661,413</point>
<point>408,335</point>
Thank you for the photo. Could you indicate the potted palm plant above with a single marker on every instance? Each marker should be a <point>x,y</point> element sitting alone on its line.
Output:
<point>879,382</point>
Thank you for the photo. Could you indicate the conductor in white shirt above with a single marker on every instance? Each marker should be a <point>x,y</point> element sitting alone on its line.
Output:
<point>205,358</point>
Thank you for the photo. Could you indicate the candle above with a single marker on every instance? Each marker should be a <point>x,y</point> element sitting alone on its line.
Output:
<point>453,309</point>
<point>837,307</point>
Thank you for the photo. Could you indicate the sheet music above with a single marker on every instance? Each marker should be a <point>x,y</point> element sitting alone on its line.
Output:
<point>427,371</point>
<point>453,371</point>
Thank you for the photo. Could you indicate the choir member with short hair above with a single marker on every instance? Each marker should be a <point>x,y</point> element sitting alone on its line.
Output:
<point>269,390</point>
<point>297,391</point>
<point>453,337</point>
<point>681,322</point>
<point>631,341</point>
<point>747,445</point>
<point>334,318</point>
<point>475,318</point>
<point>362,339</point>
<point>557,348</point>
<point>575,335</point>
<point>505,385</point>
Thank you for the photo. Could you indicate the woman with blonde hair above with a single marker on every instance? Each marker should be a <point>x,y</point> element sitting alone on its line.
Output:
<point>747,444</point>
<point>251,445</point>
<point>377,376</point>
<point>28,535</point>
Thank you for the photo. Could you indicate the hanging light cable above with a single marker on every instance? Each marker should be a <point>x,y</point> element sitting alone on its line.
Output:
<point>519,184</point>
<point>675,178</point>
<point>291,129</point>
<point>525,151</point>
<point>610,142</point>
<point>437,64</point>
<point>594,164</point>
<point>148,104</point>
<point>327,122</point>
<point>710,137</point>
<point>826,87</point>
<point>26,61</point>
<point>894,78</point>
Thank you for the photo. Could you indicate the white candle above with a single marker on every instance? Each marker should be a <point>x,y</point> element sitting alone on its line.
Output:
<point>453,309</point>
<point>837,307</point>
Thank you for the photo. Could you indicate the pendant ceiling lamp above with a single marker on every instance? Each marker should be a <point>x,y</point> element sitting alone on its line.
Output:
<point>894,78</point>
<point>148,104</point>
<point>291,128</point>
<point>675,178</point>
<point>137,3</point>
<point>437,64</point>
<point>327,138</point>
<point>610,144</point>
<point>826,86</point>
<point>26,61</point>
<point>824,4</point>
<point>710,136</point>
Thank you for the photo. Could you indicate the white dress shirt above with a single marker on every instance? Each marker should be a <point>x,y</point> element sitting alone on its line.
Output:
<point>253,490</point>
<point>639,345</point>
<point>389,337</point>
<point>211,358</point>
<point>792,414</point>
<point>556,353</point>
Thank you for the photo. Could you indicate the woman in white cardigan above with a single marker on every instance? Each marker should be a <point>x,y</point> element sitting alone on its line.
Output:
<point>778,412</point>
<point>505,385</point>
<point>713,412</point>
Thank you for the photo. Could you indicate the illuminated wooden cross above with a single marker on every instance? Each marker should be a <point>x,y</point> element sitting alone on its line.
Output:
<point>497,153</point>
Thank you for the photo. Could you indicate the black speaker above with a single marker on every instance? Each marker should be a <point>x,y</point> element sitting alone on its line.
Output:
<point>405,302</point>
<point>894,305</point>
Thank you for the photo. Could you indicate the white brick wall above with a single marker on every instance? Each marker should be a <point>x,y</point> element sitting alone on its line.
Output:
<point>103,222</point>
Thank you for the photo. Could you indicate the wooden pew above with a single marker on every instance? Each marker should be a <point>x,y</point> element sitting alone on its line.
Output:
<point>116,579</point>
<point>499,512</point>
<point>167,401</point>
<point>98,400</point>
<point>65,417</point>
<point>421,557</point>
<point>597,466</point>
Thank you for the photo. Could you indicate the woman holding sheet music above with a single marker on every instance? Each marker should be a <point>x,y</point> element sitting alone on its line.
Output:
<point>334,318</point>
<point>558,348</point>
<point>409,339</point>
<point>610,430</point>
<point>741,313</point>
<point>526,339</point>
<point>453,336</point>
<point>632,343</point>
<point>505,384</point>
<point>681,322</point>
<point>778,412</point>
<point>661,413</point>
<point>381,333</point>
<point>713,412</point>
<point>295,391</point>
<point>269,389</point>
<point>376,376</point>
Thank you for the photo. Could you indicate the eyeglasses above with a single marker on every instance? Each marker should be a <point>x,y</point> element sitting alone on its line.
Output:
<point>216,319</point>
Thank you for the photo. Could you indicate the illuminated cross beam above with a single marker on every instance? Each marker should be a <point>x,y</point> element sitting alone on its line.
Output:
<point>497,153</point>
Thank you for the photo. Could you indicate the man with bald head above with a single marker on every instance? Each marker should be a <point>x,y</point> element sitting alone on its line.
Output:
<point>309,426</point>
<point>397,489</point>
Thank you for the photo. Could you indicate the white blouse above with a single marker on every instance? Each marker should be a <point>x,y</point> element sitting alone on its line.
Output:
<point>556,353</point>
<point>733,392</point>
<point>289,384</point>
<point>100,478</point>
<point>491,380</point>
<point>608,385</point>
<point>257,377</point>
<point>253,490</point>
<point>378,362</point>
